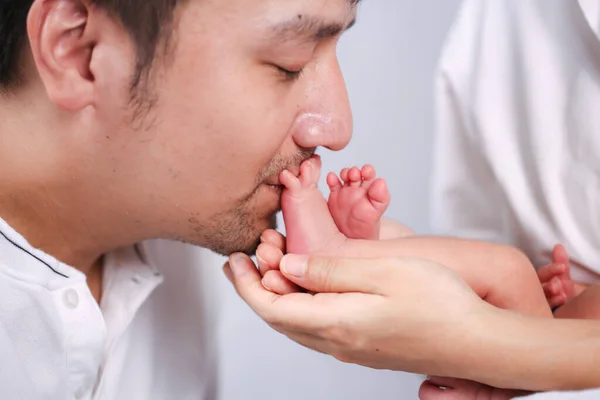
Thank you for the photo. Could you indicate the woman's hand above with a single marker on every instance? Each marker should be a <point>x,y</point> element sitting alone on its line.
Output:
<point>268,256</point>
<point>401,314</point>
<point>438,388</point>
<point>416,316</point>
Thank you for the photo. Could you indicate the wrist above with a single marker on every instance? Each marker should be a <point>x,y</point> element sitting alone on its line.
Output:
<point>509,350</point>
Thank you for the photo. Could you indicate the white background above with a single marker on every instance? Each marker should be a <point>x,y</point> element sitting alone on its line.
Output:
<point>388,60</point>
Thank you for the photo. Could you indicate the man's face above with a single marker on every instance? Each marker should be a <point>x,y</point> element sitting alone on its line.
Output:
<point>232,110</point>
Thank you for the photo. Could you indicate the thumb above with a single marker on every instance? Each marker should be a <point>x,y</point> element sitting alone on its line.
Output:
<point>560,256</point>
<point>336,275</point>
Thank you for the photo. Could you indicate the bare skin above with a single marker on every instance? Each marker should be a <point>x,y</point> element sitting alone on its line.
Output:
<point>395,313</point>
<point>194,154</point>
<point>356,206</point>
<point>313,227</point>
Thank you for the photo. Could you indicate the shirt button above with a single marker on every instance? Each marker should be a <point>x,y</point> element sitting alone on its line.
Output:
<point>71,298</point>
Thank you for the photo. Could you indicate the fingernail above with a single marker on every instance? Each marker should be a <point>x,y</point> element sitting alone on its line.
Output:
<point>294,265</point>
<point>236,262</point>
<point>260,259</point>
<point>265,285</point>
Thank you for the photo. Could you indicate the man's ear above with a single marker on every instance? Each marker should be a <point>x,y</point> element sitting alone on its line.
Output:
<point>62,44</point>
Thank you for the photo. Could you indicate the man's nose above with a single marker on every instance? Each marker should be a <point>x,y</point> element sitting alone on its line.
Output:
<point>327,119</point>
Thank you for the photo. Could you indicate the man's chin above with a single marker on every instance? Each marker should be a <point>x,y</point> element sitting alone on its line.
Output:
<point>225,249</point>
<point>237,238</point>
<point>248,249</point>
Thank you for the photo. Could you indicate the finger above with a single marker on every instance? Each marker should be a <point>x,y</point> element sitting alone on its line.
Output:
<point>227,272</point>
<point>552,288</point>
<point>559,255</point>
<point>275,238</point>
<point>268,257</point>
<point>550,271</point>
<point>444,381</point>
<point>248,282</point>
<point>275,282</point>
<point>263,267</point>
<point>333,182</point>
<point>560,252</point>
<point>557,301</point>
<point>428,391</point>
<point>336,275</point>
<point>299,311</point>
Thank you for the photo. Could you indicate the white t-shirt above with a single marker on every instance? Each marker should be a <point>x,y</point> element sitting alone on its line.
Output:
<point>518,141</point>
<point>149,339</point>
<point>583,395</point>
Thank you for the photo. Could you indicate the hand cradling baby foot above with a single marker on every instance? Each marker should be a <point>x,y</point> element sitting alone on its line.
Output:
<point>315,226</point>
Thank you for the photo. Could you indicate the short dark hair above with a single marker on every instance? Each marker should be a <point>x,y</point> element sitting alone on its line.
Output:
<point>147,21</point>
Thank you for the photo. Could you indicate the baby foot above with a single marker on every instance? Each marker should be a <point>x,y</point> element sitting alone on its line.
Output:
<point>310,228</point>
<point>556,278</point>
<point>358,205</point>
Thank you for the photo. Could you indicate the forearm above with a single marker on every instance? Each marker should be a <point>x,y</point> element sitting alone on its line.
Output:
<point>480,264</point>
<point>585,306</point>
<point>501,275</point>
<point>452,252</point>
<point>508,350</point>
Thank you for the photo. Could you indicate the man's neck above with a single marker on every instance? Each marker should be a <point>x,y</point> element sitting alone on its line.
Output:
<point>46,227</point>
<point>95,279</point>
<point>49,192</point>
<point>65,243</point>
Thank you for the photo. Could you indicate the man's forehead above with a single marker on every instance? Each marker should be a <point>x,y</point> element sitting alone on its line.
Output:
<point>266,21</point>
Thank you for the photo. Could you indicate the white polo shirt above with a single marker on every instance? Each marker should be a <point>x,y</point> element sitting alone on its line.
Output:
<point>583,395</point>
<point>144,342</point>
<point>518,138</point>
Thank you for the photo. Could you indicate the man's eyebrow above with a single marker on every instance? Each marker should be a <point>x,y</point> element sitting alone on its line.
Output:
<point>308,28</point>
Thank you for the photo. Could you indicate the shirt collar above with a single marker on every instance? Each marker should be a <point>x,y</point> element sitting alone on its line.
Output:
<point>24,261</point>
